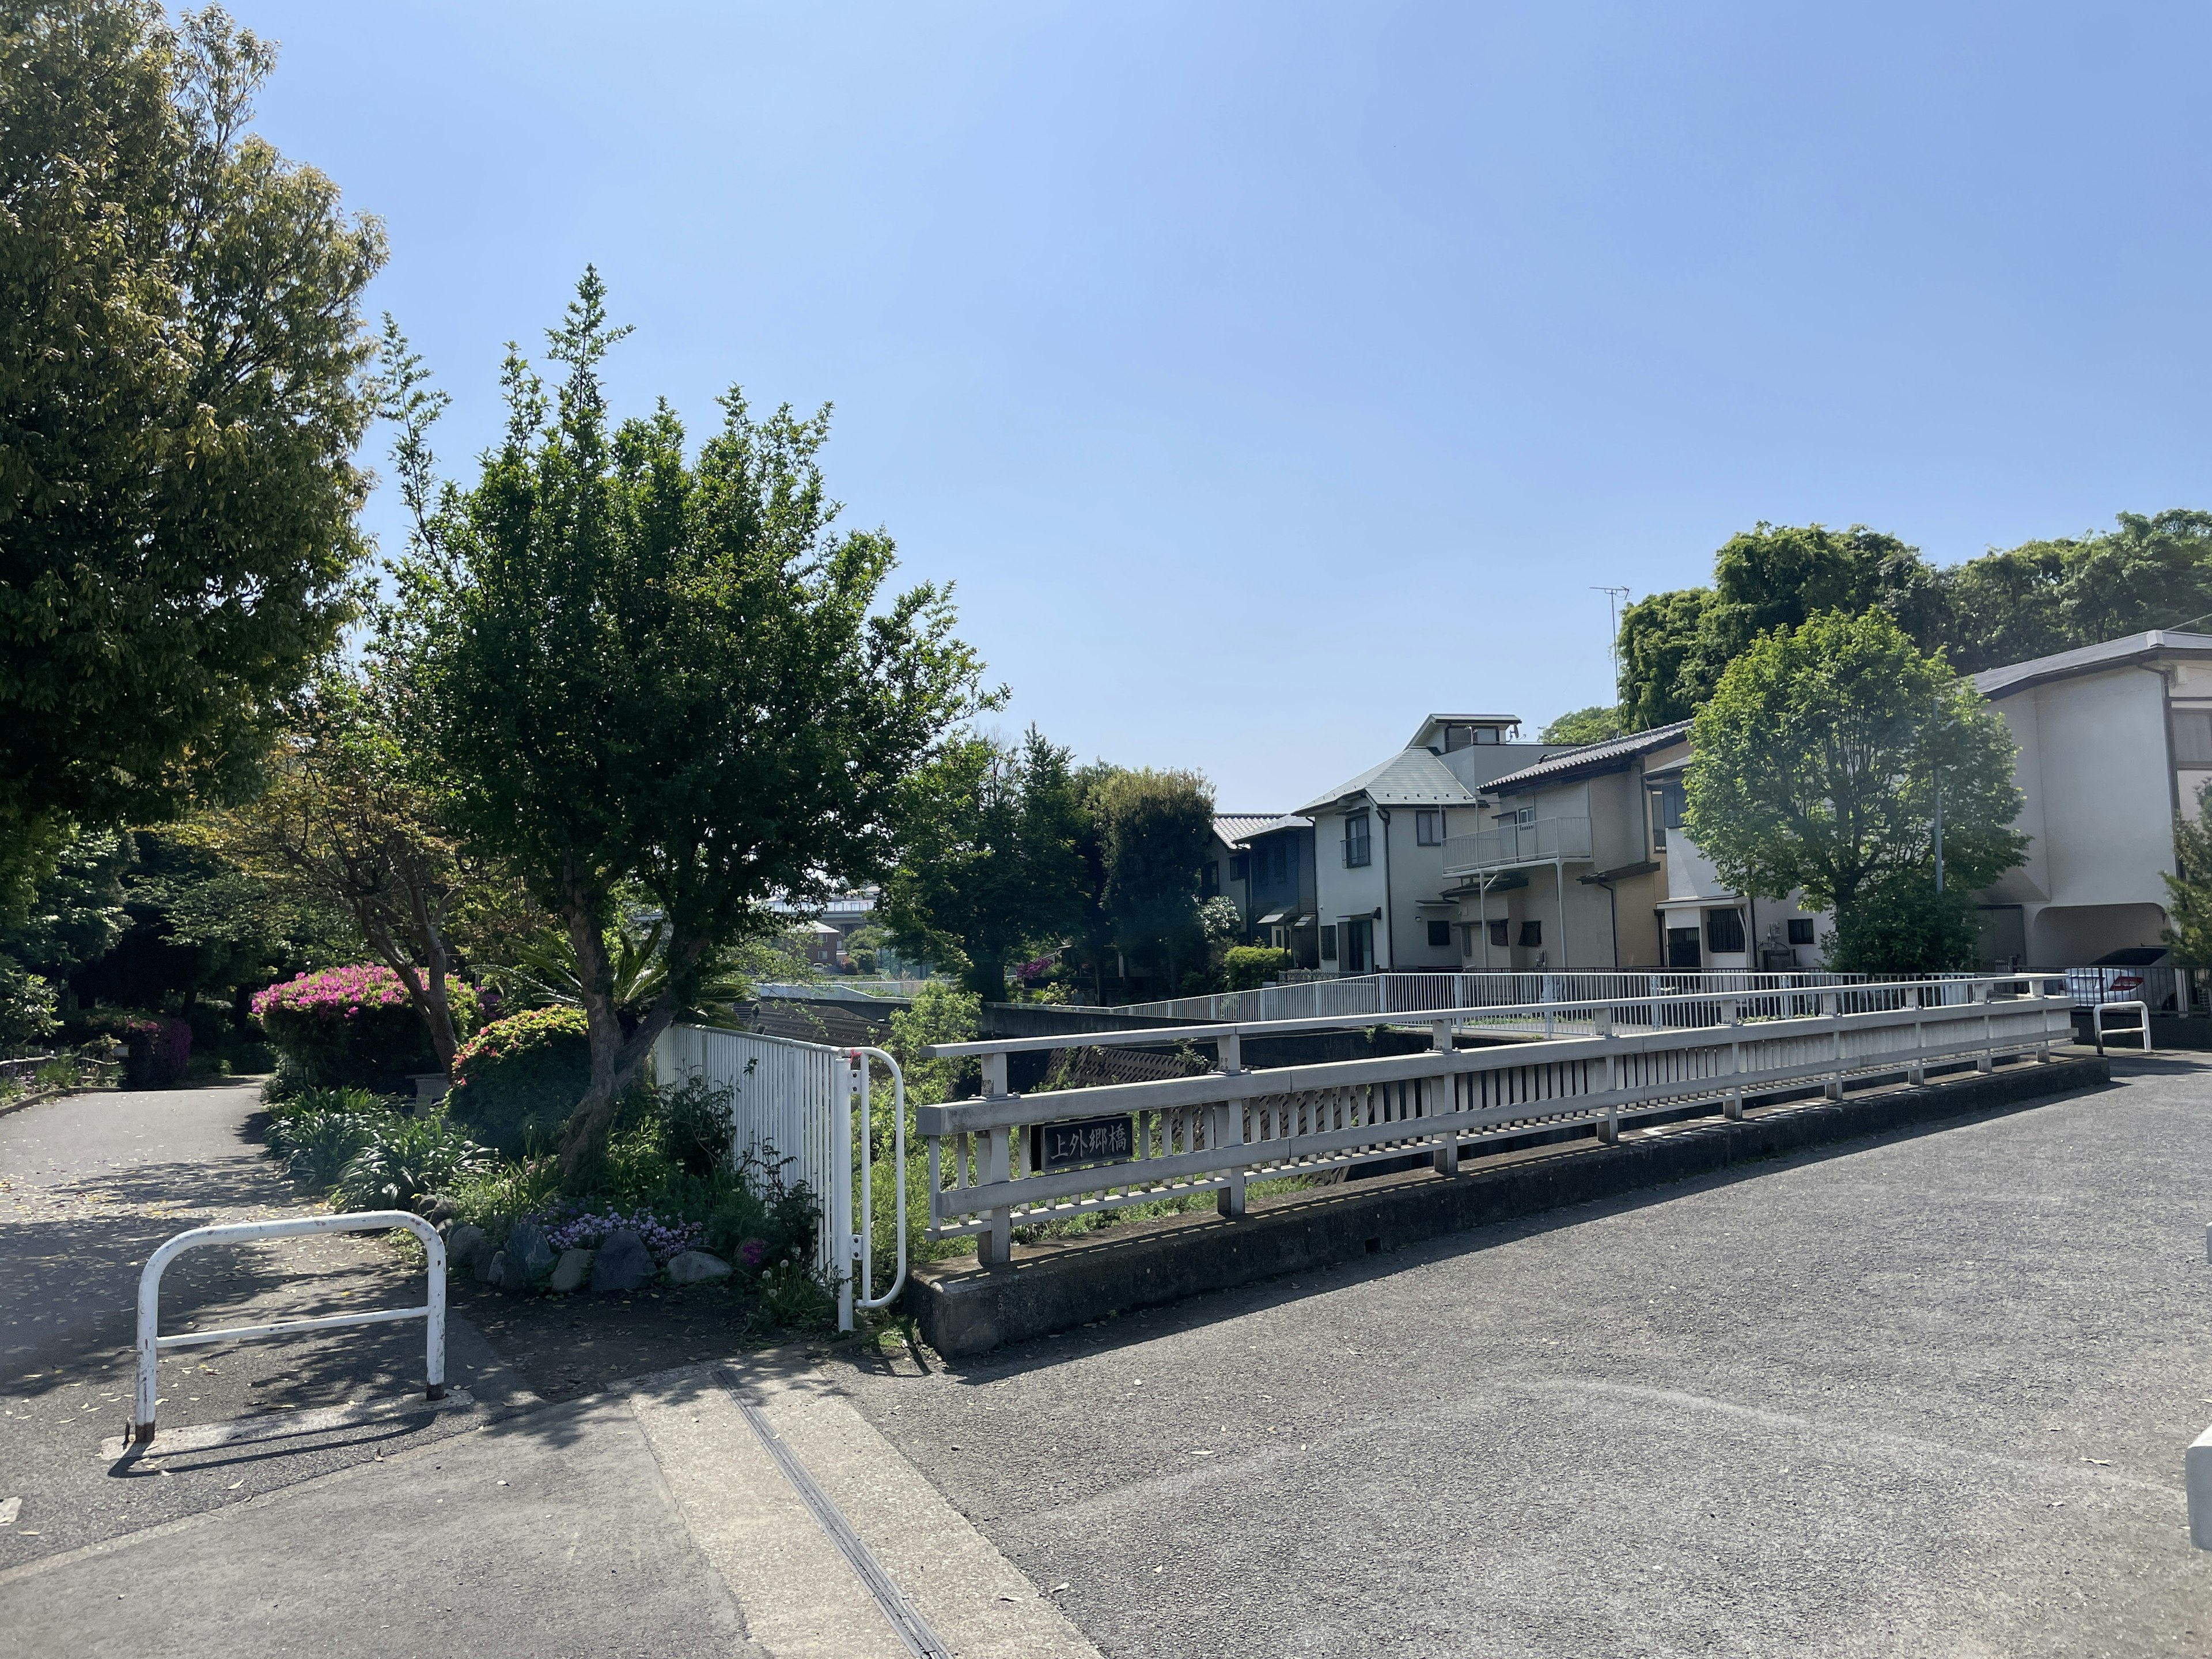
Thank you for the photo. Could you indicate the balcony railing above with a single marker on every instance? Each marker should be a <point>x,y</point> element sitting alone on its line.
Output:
<point>1513,844</point>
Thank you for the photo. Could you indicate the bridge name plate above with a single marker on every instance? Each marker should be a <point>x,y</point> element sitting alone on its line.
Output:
<point>1071,1145</point>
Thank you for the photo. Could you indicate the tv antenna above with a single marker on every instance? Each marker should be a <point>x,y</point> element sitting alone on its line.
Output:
<point>1615,599</point>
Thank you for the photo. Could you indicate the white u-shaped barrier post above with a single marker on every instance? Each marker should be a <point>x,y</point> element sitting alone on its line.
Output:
<point>862,1237</point>
<point>152,1343</point>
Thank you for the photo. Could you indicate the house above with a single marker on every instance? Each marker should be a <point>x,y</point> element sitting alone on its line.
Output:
<point>2115,741</point>
<point>1282,883</point>
<point>1225,873</point>
<point>1580,861</point>
<point>1379,845</point>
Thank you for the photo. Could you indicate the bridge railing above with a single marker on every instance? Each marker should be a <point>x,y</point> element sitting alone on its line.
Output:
<point>1004,1160</point>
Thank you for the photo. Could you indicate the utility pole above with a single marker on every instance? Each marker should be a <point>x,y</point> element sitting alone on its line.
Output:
<point>1614,598</point>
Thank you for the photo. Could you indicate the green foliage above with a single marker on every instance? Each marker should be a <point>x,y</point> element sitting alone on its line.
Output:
<point>57,1073</point>
<point>545,968</point>
<point>2042,596</point>
<point>178,407</point>
<point>74,912</point>
<point>1250,966</point>
<point>317,1143</point>
<point>1155,831</point>
<point>1902,926</point>
<point>404,1159</point>
<point>351,1026</point>
<point>649,672</point>
<point>2189,890</point>
<point>992,867</point>
<point>1816,759</point>
<point>27,1007</point>
<point>695,1124</point>
<point>516,1081</point>
<point>1596,723</point>
<point>940,1013</point>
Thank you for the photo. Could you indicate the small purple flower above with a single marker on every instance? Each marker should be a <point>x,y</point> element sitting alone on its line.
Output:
<point>754,1250</point>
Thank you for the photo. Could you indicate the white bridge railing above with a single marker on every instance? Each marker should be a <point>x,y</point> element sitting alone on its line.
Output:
<point>1390,995</point>
<point>1005,1160</point>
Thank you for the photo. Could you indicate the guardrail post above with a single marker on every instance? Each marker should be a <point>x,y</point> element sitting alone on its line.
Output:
<point>1832,1008</point>
<point>1732,1099</point>
<point>1228,1127</point>
<point>995,1247</point>
<point>1440,1092</point>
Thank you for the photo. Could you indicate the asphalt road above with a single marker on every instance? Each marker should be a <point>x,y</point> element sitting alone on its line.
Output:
<point>1923,1395</point>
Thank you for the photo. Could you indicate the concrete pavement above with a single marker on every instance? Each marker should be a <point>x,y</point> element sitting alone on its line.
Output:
<point>1926,1395</point>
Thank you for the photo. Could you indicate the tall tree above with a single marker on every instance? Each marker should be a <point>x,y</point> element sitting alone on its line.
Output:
<point>992,865</point>
<point>1816,763</point>
<point>647,672</point>
<point>180,396</point>
<point>1154,830</point>
<point>2152,571</point>
<point>1674,646</point>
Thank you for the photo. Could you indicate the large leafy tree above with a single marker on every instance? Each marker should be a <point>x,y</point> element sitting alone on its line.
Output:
<point>993,865</point>
<point>1817,761</point>
<point>646,671</point>
<point>2152,571</point>
<point>1674,646</point>
<point>180,398</point>
<point>1153,828</point>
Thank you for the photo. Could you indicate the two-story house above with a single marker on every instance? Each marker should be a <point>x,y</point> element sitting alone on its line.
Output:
<point>2115,740</point>
<point>1379,845</point>
<point>1279,875</point>
<point>1226,871</point>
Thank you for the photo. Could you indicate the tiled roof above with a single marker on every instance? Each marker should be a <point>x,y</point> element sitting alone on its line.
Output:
<point>1412,777</point>
<point>1288,821</point>
<point>1233,826</point>
<point>2089,659</point>
<point>1586,760</point>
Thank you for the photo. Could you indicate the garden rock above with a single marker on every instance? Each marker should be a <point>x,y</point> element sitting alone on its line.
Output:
<point>697,1268</point>
<point>505,1273</point>
<point>622,1264</point>
<point>466,1248</point>
<point>570,1272</point>
<point>527,1249</point>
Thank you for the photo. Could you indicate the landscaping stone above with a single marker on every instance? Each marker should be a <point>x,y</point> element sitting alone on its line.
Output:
<point>623,1263</point>
<point>467,1248</point>
<point>570,1272</point>
<point>527,1249</point>
<point>697,1268</point>
<point>504,1273</point>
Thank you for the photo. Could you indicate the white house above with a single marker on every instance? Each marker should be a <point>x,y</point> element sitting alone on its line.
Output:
<point>2115,739</point>
<point>1379,844</point>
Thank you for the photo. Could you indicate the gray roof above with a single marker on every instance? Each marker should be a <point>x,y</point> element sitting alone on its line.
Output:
<point>1233,826</point>
<point>1588,759</point>
<point>1288,821</point>
<point>1412,777</point>
<point>1435,721</point>
<point>2091,659</point>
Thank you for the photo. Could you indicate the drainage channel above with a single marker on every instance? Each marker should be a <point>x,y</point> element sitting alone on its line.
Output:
<point>913,1629</point>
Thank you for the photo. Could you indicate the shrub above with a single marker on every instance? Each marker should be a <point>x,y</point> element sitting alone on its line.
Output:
<point>1902,925</point>
<point>157,1050</point>
<point>1251,966</point>
<point>516,1081</point>
<point>318,1143</point>
<point>696,1121</point>
<point>405,1159</point>
<point>351,1026</point>
<point>57,1073</point>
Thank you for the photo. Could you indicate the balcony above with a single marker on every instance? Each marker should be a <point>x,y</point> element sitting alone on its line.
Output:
<point>1509,846</point>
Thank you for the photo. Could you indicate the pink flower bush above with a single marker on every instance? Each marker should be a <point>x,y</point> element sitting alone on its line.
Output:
<point>333,994</point>
<point>352,1026</point>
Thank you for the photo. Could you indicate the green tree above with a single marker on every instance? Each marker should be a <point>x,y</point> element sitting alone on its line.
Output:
<point>72,915</point>
<point>1593,725</point>
<point>2189,890</point>
<point>1674,647</point>
<point>180,396</point>
<point>1817,760</point>
<point>2042,597</point>
<point>1902,925</point>
<point>992,865</point>
<point>1154,830</point>
<point>646,672</point>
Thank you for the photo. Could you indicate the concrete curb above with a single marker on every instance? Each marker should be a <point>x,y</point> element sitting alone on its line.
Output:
<point>965,1310</point>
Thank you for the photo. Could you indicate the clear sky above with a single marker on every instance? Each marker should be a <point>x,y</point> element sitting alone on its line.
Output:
<point>1267,376</point>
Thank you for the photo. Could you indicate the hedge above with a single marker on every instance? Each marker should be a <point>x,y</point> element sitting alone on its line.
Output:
<point>516,1081</point>
<point>354,1027</point>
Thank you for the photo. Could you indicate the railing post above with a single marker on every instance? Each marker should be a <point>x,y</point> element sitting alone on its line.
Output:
<point>1228,1128</point>
<point>1446,1161</point>
<point>995,1247</point>
<point>1732,1102</point>
<point>1832,1008</point>
<point>1609,1130</point>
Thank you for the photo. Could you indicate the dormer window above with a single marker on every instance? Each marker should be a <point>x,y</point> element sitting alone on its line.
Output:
<point>1470,736</point>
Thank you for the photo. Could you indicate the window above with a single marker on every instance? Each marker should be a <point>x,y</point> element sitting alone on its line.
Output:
<point>1517,815</point>
<point>1329,941</point>
<point>1355,840</point>
<point>1667,803</point>
<point>1501,933</point>
<point>1428,829</point>
<point>1468,736</point>
<point>1723,930</point>
<point>1209,879</point>
<point>1238,863</point>
<point>1683,949</point>
<point>1532,935</point>
<point>1359,945</point>
<point>1800,930</point>
<point>2192,736</point>
<point>1440,933</point>
<point>1279,859</point>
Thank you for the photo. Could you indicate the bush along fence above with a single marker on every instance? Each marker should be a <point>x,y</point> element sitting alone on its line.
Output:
<point>1007,1160</point>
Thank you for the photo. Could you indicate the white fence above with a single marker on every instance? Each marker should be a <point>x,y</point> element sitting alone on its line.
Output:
<point>1386,995</point>
<point>783,1104</point>
<point>993,1165</point>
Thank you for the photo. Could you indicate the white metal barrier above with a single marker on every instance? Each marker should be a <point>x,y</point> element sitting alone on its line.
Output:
<point>993,1165</point>
<point>152,1344</point>
<point>863,1236</point>
<point>2143,1012</point>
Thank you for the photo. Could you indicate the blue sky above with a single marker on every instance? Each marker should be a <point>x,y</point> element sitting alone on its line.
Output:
<point>1267,376</point>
